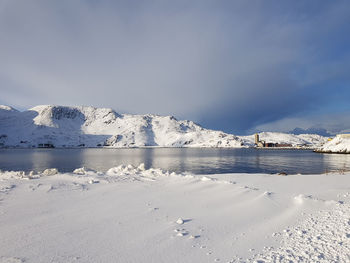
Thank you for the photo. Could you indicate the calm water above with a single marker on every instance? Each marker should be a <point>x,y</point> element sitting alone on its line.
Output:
<point>198,161</point>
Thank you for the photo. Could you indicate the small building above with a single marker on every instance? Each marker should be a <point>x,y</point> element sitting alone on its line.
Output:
<point>46,145</point>
<point>257,138</point>
<point>284,145</point>
<point>261,144</point>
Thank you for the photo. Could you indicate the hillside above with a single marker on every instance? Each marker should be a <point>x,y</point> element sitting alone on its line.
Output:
<point>340,144</point>
<point>93,127</point>
<point>63,126</point>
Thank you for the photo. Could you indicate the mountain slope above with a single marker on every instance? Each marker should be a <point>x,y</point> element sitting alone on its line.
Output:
<point>340,144</point>
<point>88,126</point>
<point>63,126</point>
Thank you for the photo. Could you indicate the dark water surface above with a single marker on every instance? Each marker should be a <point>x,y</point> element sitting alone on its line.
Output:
<point>198,161</point>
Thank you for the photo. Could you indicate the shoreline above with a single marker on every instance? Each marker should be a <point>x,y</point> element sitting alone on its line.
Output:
<point>41,173</point>
<point>164,147</point>
<point>330,152</point>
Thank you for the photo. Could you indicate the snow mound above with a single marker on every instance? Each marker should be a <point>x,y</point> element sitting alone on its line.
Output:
<point>118,173</point>
<point>180,221</point>
<point>84,171</point>
<point>340,144</point>
<point>49,172</point>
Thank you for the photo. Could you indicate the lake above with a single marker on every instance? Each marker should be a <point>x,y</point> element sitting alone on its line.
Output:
<point>195,160</point>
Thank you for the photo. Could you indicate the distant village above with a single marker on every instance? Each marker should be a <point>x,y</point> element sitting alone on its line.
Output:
<point>263,144</point>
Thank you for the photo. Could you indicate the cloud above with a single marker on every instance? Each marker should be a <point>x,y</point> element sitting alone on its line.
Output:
<point>333,123</point>
<point>227,65</point>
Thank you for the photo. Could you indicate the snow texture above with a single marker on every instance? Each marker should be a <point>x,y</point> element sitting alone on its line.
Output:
<point>323,237</point>
<point>61,126</point>
<point>340,144</point>
<point>130,214</point>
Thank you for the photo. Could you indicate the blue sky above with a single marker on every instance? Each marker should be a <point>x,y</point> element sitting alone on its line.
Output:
<point>237,66</point>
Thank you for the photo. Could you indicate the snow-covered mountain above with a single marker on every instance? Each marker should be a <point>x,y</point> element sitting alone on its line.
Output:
<point>92,127</point>
<point>340,144</point>
<point>63,126</point>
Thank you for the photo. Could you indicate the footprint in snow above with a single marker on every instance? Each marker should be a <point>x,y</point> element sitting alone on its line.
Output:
<point>11,260</point>
<point>181,221</point>
<point>181,234</point>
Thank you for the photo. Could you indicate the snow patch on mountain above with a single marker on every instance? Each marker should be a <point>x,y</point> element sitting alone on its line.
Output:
<point>340,144</point>
<point>7,108</point>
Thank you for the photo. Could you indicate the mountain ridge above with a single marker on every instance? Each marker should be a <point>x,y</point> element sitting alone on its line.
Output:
<point>86,126</point>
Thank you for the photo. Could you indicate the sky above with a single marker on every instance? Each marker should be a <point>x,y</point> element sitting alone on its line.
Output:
<point>236,66</point>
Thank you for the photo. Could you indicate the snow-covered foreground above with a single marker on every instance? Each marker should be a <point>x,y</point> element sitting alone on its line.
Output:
<point>130,214</point>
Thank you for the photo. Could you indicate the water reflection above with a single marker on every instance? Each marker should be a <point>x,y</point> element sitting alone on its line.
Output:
<point>39,160</point>
<point>337,162</point>
<point>198,161</point>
